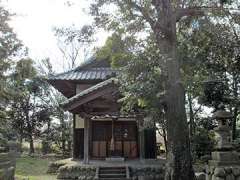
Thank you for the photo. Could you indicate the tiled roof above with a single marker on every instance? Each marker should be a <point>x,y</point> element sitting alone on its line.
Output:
<point>99,73</point>
<point>90,70</point>
<point>89,90</point>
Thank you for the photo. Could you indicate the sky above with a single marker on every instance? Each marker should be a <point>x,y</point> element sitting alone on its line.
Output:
<point>35,19</point>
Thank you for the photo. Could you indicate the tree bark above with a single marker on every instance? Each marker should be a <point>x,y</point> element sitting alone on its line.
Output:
<point>31,149</point>
<point>234,123</point>
<point>165,139</point>
<point>63,138</point>
<point>235,108</point>
<point>179,161</point>
<point>20,143</point>
<point>191,116</point>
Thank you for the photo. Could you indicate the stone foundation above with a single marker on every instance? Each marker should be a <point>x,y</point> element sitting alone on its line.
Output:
<point>147,173</point>
<point>223,173</point>
<point>69,172</point>
<point>54,166</point>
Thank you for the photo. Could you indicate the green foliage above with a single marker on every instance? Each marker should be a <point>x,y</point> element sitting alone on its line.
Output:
<point>29,107</point>
<point>117,50</point>
<point>213,51</point>
<point>202,143</point>
<point>215,93</point>
<point>143,83</point>
<point>9,47</point>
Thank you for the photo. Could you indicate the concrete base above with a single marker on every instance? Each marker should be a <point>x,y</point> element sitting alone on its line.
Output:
<point>115,159</point>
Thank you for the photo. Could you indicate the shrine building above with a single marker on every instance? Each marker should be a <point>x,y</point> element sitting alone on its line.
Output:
<point>100,131</point>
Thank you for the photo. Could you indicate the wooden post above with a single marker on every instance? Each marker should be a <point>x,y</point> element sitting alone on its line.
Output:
<point>86,141</point>
<point>112,145</point>
<point>90,137</point>
<point>73,138</point>
<point>141,146</point>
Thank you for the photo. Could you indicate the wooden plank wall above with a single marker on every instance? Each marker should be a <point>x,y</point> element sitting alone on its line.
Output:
<point>101,138</point>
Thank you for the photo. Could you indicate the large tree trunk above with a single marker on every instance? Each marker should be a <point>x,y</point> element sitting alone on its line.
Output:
<point>234,123</point>
<point>63,138</point>
<point>20,143</point>
<point>191,116</point>
<point>165,140</point>
<point>31,149</point>
<point>179,161</point>
<point>235,108</point>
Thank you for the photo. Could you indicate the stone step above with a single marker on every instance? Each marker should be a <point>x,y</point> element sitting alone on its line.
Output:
<point>112,175</point>
<point>112,171</point>
<point>113,167</point>
<point>114,179</point>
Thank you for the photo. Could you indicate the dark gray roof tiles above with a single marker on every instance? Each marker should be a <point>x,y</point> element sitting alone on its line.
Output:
<point>99,73</point>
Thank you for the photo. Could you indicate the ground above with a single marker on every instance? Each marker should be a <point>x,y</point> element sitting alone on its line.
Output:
<point>33,168</point>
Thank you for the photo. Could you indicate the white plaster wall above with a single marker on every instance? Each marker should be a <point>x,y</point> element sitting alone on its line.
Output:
<point>79,122</point>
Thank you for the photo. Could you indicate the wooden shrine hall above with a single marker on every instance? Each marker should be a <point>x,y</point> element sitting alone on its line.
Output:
<point>99,130</point>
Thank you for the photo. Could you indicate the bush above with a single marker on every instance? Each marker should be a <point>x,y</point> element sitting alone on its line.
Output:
<point>202,143</point>
<point>46,148</point>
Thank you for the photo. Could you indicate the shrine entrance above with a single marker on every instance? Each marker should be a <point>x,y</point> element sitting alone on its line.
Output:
<point>114,139</point>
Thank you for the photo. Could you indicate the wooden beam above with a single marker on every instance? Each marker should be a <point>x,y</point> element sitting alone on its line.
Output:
<point>91,96</point>
<point>86,141</point>
<point>102,103</point>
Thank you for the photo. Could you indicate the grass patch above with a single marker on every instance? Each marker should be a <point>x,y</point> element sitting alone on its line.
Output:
<point>33,168</point>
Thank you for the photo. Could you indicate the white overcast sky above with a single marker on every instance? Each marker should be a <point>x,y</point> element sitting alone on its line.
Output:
<point>35,20</point>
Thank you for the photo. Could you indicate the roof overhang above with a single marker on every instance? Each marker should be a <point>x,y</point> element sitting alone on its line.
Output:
<point>98,91</point>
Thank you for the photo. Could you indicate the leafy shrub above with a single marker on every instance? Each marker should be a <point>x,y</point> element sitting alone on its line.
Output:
<point>202,143</point>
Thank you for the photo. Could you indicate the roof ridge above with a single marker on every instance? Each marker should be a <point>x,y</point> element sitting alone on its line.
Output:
<point>59,74</point>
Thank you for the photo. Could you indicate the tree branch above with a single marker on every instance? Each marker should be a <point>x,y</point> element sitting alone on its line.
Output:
<point>143,11</point>
<point>200,11</point>
<point>180,13</point>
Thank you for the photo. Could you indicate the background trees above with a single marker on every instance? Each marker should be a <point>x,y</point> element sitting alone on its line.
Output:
<point>161,21</point>
<point>28,108</point>
<point>9,47</point>
<point>161,46</point>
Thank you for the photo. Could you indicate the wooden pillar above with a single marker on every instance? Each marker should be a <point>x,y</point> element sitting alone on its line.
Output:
<point>141,143</point>
<point>112,145</point>
<point>90,138</point>
<point>86,140</point>
<point>74,154</point>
